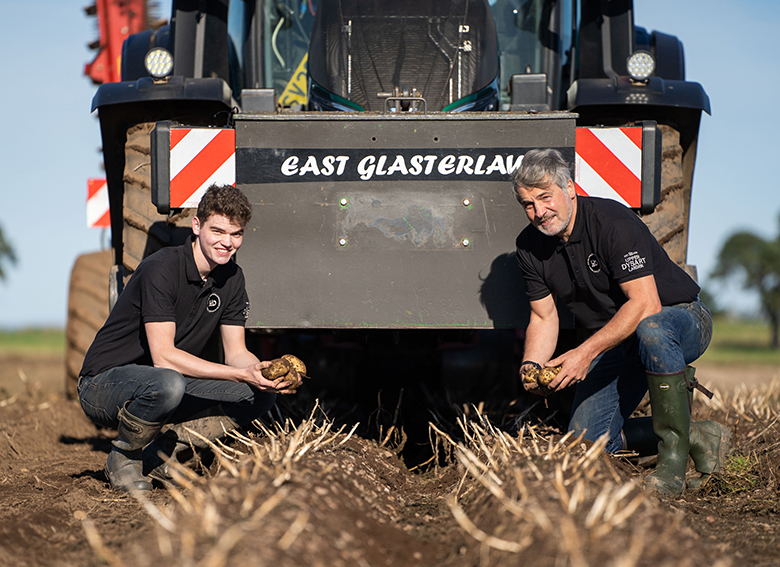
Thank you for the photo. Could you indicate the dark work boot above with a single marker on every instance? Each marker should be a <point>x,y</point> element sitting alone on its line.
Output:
<point>671,418</point>
<point>177,442</point>
<point>124,466</point>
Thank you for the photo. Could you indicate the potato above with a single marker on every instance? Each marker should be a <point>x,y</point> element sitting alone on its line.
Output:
<point>285,368</point>
<point>296,364</point>
<point>279,367</point>
<point>547,375</point>
<point>543,378</point>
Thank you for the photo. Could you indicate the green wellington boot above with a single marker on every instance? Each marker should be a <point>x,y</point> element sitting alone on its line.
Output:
<point>124,466</point>
<point>708,441</point>
<point>709,445</point>
<point>671,417</point>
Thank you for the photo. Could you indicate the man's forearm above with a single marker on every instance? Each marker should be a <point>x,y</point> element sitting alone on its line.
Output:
<point>541,338</point>
<point>242,360</point>
<point>196,367</point>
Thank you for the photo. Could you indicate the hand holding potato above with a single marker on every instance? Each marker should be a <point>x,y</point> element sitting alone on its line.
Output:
<point>538,379</point>
<point>288,368</point>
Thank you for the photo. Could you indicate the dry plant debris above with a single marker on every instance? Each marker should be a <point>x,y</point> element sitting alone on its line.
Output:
<point>313,494</point>
<point>307,491</point>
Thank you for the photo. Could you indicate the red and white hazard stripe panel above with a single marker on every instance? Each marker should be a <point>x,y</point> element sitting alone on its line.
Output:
<point>199,158</point>
<point>97,204</point>
<point>608,163</point>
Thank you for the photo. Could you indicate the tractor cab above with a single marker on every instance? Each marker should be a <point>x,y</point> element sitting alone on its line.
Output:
<point>412,54</point>
<point>407,55</point>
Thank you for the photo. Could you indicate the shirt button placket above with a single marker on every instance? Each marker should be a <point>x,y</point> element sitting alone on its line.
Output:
<point>576,269</point>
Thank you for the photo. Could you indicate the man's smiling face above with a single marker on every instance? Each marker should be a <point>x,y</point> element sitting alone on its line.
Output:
<point>549,208</point>
<point>216,240</point>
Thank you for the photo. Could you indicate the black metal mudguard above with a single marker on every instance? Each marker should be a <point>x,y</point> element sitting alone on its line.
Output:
<point>622,91</point>
<point>175,88</point>
<point>372,221</point>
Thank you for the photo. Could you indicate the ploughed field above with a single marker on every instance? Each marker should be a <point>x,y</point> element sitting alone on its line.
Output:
<point>487,486</point>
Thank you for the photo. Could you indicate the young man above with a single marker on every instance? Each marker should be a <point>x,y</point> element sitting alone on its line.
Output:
<point>145,367</point>
<point>642,316</point>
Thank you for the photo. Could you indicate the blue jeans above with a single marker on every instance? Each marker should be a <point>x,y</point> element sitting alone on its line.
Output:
<point>664,343</point>
<point>160,395</point>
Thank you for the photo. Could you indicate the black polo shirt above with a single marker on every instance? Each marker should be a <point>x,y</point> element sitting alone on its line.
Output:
<point>167,287</point>
<point>609,245</point>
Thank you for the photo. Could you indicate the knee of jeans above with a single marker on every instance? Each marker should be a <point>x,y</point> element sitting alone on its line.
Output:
<point>170,389</point>
<point>650,332</point>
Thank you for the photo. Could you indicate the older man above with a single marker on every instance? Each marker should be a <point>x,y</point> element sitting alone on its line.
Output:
<point>643,320</point>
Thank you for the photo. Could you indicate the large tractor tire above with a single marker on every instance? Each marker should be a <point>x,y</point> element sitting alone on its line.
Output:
<point>145,231</point>
<point>87,311</point>
<point>669,221</point>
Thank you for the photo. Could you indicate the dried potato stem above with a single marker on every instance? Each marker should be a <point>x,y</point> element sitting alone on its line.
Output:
<point>296,528</point>
<point>496,543</point>
<point>96,542</point>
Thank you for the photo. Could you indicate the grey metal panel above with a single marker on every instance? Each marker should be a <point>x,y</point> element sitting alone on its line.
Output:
<point>371,130</point>
<point>398,251</point>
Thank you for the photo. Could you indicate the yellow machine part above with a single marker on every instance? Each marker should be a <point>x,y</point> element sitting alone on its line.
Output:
<point>295,91</point>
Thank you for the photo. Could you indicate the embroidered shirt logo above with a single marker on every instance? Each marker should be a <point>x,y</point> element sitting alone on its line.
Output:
<point>593,264</point>
<point>632,261</point>
<point>246,311</point>
<point>213,302</point>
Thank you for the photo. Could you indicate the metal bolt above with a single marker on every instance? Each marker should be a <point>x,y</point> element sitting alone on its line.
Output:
<point>466,202</point>
<point>465,242</point>
<point>342,241</point>
<point>344,202</point>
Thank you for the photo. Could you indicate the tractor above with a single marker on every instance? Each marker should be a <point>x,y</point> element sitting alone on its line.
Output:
<point>375,139</point>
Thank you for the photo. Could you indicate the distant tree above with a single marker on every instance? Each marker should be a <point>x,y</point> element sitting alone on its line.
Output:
<point>757,263</point>
<point>6,254</point>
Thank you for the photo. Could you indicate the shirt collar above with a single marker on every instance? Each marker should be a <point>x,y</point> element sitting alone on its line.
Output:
<point>579,225</point>
<point>193,274</point>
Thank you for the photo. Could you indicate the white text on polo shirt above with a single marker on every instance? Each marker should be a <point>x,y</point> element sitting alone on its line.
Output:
<point>632,261</point>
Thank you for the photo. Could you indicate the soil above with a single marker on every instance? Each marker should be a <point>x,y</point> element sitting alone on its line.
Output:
<point>351,500</point>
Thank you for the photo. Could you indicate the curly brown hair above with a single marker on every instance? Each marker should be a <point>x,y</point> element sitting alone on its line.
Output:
<point>227,201</point>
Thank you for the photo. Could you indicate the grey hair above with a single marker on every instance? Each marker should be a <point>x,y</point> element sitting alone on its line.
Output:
<point>540,168</point>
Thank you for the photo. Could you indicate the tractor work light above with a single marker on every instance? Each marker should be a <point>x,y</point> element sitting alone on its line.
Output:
<point>641,65</point>
<point>159,63</point>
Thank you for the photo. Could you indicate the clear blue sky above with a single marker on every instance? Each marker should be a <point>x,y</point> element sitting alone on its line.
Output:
<point>49,140</point>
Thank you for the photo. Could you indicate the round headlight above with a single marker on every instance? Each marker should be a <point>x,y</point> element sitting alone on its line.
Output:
<point>159,63</point>
<point>641,65</point>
